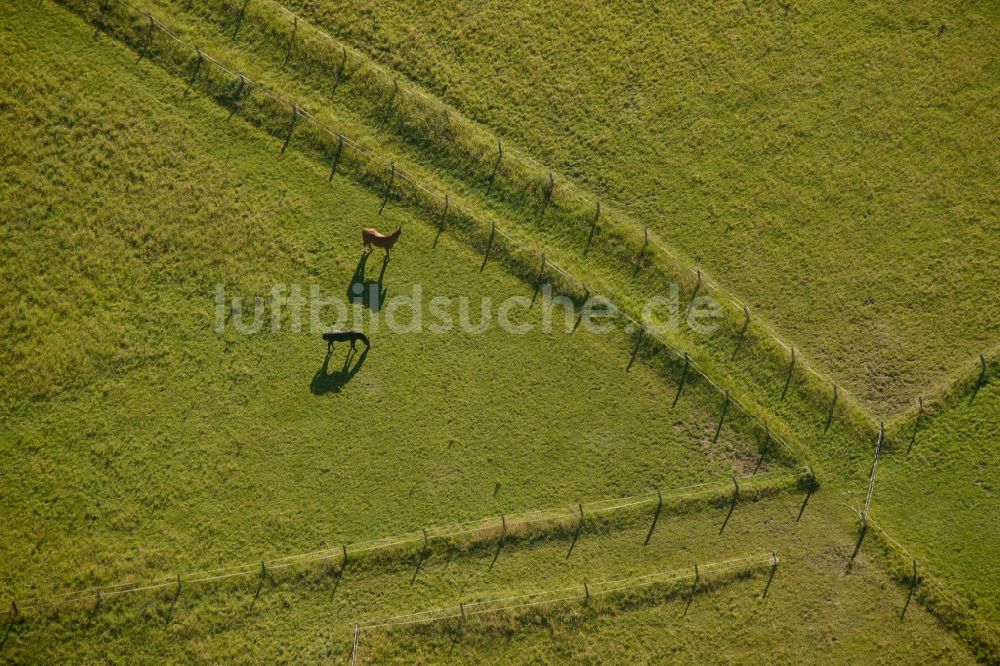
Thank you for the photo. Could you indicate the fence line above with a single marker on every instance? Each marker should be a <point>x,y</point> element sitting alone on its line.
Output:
<point>472,216</point>
<point>927,577</point>
<point>595,588</point>
<point>579,592</point>
<point>244,569</point>
<point>412,91</point>
<point>871,479</point>
<point>431,532</point>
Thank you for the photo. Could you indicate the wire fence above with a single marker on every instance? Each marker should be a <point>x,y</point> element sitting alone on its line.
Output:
<point>580,194</point>
<point>413,92</point>
<point>985,630</point>
<point>442,199</point>
<point>430,103</point>
<point>502,526</point>
<point>593,588</point>
<point>583,591</point>
<point>561,184</point>
<point>436,200</point>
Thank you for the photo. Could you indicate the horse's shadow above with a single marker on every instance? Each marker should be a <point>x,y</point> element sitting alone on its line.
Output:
<point>370,293</point>
<point>325,381</point>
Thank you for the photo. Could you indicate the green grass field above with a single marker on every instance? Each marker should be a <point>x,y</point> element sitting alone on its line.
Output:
<point>941,495</point>
<point>139,442</point>
<point>425,431</point>
<point>807,154</point>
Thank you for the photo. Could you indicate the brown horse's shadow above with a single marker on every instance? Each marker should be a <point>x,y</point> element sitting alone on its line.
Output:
<point>369,293</point>
<point>325,381</point>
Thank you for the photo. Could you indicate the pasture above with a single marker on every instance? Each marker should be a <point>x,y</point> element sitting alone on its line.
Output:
<point>142,442</point>
<point>807,152</point>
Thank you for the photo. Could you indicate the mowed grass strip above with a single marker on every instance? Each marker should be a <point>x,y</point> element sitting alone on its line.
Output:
<point>811,611</point>
<point>831,164</point>
<point>140,442</point>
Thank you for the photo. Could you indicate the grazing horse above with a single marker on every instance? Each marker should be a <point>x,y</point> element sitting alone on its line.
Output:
<point>371,237</point>
<point>345,336</point>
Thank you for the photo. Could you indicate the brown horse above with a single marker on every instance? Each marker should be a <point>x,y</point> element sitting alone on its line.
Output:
<point>371,237</point>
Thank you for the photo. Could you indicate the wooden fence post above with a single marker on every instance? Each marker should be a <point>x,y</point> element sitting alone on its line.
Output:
<point>547,199</point>
<point>722,417</point>
<point>291,127</point>
<point>489,245</point>
<point>444,213</point>
<point>982,376</point>
<point>496,168</point>
<point>871,480</point>
<point>354,646</point>
<point>149,34</point>
<point>388,188</point>
<point>461,607</point>
<point>764,448</point>
<point>586,593</point>
<point>642,252</point>
<point>697,288</point>
<point>238,95</point>
<point>788,378</point>
<point>916,423</point>
<point>684,374</point>
<point>694,586</point>
<point>291,38</point>
<point>336,156</point>
<point>635,351</point>
<point>197,68</point>
<point>593,227</point>
<point>913,586</point>
<point>340,70</point>
<point>656,517</point>
<point>343,562</point>
<point>394,93</point>
<point>541,271</point>
<point>743,331</point>
<point>833,403</point>
<point>239,18</point>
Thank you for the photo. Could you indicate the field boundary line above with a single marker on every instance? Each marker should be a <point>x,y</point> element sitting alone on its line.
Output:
<point>798,454</point>
<point>499,526</point>
<point>268,14</point>
<point>487,137</point>
<point>958,617</point>
<point>582,591</point>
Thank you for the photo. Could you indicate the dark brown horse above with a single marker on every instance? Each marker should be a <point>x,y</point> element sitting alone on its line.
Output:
<point>371,237</point>
<point>345,336</point>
